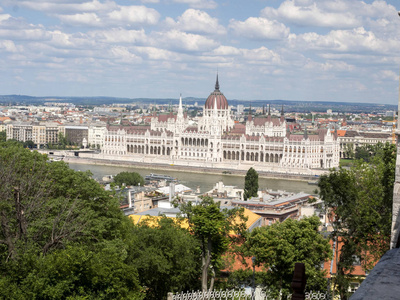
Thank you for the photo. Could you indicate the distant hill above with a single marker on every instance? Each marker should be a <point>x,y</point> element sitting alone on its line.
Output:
<point>289,105</point>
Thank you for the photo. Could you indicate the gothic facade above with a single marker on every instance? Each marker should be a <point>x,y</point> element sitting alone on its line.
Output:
<point>217,139</point>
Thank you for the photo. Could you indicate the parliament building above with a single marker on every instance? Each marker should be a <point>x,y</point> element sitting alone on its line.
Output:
<point>217,141</point>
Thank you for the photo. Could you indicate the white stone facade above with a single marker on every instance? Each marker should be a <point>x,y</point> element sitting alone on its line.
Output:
<point>216,141</point>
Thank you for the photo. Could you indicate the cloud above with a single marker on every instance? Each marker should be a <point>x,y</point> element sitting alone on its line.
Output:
<point>386,74</point>
<point>355,40</point>
<point>311,14</point>
<point>196,21</point>
<point>122,54</point>
<point>69,7</point>
<point>118,35</point>
<point>182,41</point>
<point>134,15</point>
<point>259,29</point>
<point>8,46</point>
<point>337,66</point>
<point>83,19</point>
<point>206,4</point>
<point>261,55</point>
<point>328,13</point>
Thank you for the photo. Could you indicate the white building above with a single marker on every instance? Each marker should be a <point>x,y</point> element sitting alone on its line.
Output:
<point>216,141</point>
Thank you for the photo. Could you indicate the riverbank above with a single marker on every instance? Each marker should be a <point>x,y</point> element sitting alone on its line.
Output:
<point>190,169</point>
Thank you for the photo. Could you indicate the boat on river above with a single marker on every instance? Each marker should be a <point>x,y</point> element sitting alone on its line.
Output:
<point>159,177</point>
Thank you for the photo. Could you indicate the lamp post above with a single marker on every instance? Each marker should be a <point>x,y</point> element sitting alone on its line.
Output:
<point>254,282</point>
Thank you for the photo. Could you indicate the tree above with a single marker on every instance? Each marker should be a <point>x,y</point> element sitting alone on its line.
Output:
<point>3,136</point>
<point>128,178</point>
<point>279,246</point>
<point>62,140</point>
<point>359,201</point>
<point>349,150</point>
<point>62,235</point>
<point>250,184</point>
<point>166,256</point>
<point>216,230</point>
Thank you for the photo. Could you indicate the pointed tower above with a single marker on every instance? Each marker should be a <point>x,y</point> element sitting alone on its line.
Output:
<point>180,120</point>
<point>250,117</point>
<point>282,115</point>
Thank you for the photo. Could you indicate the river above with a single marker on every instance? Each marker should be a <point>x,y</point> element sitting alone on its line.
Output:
<point>204,180</point>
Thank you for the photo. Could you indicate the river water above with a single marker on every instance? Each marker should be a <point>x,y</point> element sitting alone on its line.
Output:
<point>205,181</point>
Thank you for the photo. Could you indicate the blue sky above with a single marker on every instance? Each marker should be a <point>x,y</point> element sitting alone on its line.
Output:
<point>318,50</point>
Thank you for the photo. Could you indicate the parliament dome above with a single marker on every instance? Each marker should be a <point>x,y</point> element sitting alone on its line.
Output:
<point>222,103</point>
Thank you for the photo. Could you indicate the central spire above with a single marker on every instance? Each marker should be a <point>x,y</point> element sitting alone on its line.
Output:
<point>217,84</point>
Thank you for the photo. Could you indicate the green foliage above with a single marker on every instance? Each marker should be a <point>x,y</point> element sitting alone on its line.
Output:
<point>250,184</point>
<point>167,258</point>
<point>349,150</point>
<point>216,230</point>
<point>62,234</point>
<point>128,178</point>
<point>3,136</point>
<point>360,204</point>
<point>28,144</point>
<point>279,246</point>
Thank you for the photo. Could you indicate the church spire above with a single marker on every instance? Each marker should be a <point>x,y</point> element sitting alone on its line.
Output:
<point>217,84</point>
<point>180,109</point>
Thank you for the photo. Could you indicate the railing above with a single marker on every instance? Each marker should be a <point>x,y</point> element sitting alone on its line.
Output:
<point>217,295</point>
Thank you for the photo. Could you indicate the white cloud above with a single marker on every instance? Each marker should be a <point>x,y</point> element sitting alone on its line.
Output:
<point>386,74</point>
<point>355,40</point>
<point>69,7</point>
<point>206,4</point>
<point>259,29</point>
<point>261,55</point>
<point>87,19</point>
<point>134,15</point>
<point>8,46</point>
<point>226,50</point>
<point>158,54</point>
<point>311,14</point>
<point>4,17</point>
<point>177,40</point>
<point>122,54</point>
<point>118,35</point>
<point>196,21</point>
<point>329,13</point>
<point>338,66</point>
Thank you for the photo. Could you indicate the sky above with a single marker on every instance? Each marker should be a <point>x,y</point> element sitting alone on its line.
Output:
<point>306,50</point>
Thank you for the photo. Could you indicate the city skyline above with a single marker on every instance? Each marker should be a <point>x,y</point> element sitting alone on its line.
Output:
<point>345,51</point>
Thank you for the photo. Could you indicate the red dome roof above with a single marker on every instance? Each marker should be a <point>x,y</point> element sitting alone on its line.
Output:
<point>222,103</point>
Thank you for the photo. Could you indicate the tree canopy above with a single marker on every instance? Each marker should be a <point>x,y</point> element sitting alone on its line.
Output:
<point>250,184</point>
<point>166,256</point>
<point>359,201</point>
<point>279,246</point>
<point>128,178</point>
<point>216,230</point>
<point>62,234</point>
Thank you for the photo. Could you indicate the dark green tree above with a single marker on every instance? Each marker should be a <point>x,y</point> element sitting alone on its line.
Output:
<point>166,256</point>
<point>250,184</point>
<point>62,234</point>
<point>279,246</point>
<point>217,230</point>
<point>3,136</point>
<point>128,178</point>
<point>359,201</point>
